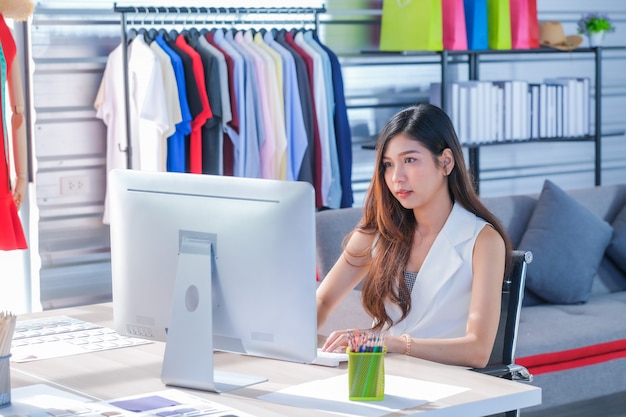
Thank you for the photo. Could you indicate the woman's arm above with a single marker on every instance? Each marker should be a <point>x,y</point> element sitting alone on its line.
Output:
<point>16,98</point>
<point>473,349</point>
<point>344,276</point>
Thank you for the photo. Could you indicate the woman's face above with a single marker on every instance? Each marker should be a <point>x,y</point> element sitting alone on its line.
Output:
<point>411,172</point>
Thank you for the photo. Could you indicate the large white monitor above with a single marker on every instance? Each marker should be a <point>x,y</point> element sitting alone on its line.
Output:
<point>252,240</point>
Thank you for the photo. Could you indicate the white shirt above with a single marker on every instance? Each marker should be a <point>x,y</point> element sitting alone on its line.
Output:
<point>148,97</point>
<point>112,112</point>
<point>147,113</point>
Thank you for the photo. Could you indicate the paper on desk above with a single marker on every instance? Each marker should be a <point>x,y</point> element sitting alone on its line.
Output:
<point>36,398</point>
<point>172,403</point>
<point>44,401</point>
<point>331,395</point>
<point>57,336</point>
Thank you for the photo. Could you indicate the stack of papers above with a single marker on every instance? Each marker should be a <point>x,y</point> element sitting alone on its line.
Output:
<point>53,337</point>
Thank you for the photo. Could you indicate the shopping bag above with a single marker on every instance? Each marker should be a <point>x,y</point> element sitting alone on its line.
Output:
<point>454,33</point>
<point>533,24</point>
<point>524,24</point>
<point>499,24</point>
<point>476,24</point>
<point>411,25</point>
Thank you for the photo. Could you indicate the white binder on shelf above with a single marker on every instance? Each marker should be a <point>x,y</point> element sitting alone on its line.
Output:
<point>507,107</point>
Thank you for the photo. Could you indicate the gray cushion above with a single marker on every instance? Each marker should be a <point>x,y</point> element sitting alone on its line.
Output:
<point>568,243</point>
<point>531,299</point>
<point>617,248</point>
<point>513,211</point>
<point>331,227</point>
<point>554,328</point>
<point>609,278</point>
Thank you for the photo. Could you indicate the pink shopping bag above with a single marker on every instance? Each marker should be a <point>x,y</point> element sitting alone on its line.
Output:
<point>524,24</point>
<point>454,33</point>
<point>533,24</point>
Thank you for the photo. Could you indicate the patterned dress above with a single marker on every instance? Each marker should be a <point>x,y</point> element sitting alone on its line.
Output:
<point>11,232</point>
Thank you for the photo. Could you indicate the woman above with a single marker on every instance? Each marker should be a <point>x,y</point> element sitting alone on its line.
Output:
<point>431,256</point>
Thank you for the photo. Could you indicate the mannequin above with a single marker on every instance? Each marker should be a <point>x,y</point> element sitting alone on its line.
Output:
<point>12,195</point>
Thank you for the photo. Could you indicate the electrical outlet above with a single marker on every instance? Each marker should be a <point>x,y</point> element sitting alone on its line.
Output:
<point>75,184</point>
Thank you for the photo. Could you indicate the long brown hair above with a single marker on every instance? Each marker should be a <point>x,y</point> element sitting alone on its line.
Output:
<point>393,225</point>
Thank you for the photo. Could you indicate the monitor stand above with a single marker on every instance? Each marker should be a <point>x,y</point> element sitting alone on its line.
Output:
<point>188,358</point>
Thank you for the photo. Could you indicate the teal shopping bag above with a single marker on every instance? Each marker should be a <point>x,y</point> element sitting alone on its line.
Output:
<point>411,25</point>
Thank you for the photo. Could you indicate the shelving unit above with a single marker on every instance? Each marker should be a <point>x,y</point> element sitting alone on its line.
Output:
<point>472,58</point>
<point>474,74</point>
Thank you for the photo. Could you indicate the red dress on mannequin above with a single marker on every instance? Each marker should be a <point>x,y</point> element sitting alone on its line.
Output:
<point>11,232</point>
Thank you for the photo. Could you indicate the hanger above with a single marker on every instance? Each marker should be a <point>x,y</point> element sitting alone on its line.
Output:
<point>149,32</point>
<point>194,32</point>
<point>132,34</point>
<point>152,33</point>
<point>144,32</point>
<point>164,33</point>
<point>185,23</point>
<point>198,12</point>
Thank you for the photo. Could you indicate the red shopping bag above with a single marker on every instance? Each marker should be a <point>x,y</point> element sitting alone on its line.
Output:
<point>533,24</point>
<point>454,33</point>
<point>524,24</point>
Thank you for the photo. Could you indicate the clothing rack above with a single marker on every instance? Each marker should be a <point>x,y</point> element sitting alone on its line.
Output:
<point>205,15</point>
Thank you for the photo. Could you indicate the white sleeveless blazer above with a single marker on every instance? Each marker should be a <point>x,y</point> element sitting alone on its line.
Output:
<point>441,295</point>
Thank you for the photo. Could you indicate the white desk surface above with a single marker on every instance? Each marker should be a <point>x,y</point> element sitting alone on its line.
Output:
<point>135,370</point>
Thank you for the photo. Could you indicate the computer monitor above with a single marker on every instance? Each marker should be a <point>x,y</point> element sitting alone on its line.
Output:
<point>253,241</point>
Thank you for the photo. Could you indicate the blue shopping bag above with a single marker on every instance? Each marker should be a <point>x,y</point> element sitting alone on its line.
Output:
<point>476,24</point>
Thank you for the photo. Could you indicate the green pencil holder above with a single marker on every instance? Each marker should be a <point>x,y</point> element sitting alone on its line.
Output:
<point>366,376</point>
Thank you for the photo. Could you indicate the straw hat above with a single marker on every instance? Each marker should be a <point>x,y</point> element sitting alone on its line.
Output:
<point>16,9</point>
<point>551,34</point>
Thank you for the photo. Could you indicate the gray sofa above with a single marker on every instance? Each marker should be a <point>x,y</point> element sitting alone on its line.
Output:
<point>572,333</point>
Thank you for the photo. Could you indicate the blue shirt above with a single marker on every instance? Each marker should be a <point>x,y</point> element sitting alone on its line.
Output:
<point>176,157</point>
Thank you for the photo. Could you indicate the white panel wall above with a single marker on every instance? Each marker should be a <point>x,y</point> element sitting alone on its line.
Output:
<point>69,42</point>
<point>68,49</point>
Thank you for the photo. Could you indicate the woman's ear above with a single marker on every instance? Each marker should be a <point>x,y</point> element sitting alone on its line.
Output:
<point>447,161</point>
<point>17,9</point>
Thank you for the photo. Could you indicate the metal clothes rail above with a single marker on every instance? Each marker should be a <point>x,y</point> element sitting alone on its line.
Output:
<point>206,15</point>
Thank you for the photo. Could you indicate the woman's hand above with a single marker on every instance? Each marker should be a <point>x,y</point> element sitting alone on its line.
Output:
<point>337,341</point>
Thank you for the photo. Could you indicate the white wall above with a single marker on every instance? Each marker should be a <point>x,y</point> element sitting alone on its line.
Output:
<point>67,47</point>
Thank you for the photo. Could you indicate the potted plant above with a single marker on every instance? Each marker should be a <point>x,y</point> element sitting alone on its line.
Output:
<point>595,25</point>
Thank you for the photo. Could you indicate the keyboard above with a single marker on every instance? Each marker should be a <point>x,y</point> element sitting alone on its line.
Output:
<point>329,358</point>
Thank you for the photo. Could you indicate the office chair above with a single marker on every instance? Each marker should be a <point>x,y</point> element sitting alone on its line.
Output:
<point>502,361</point>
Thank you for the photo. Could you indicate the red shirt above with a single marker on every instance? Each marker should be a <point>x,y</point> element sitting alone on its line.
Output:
<point>195,145</point>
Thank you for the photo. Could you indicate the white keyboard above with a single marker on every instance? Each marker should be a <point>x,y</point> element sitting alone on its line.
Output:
<point>329,358</point>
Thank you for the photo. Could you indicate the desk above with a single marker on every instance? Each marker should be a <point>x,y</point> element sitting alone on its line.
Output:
<point>111,374</point>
